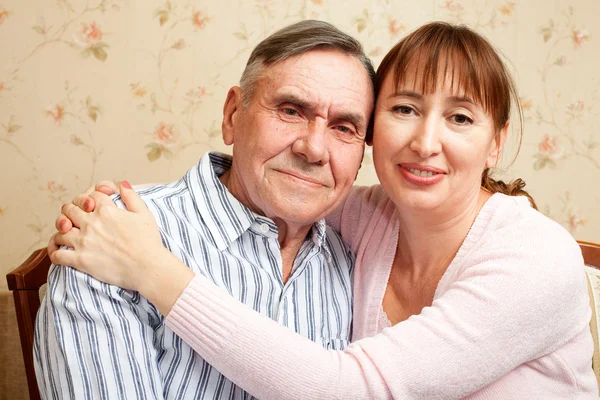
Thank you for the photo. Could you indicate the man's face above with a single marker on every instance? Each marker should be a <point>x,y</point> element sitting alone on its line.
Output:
<point>299,143</point>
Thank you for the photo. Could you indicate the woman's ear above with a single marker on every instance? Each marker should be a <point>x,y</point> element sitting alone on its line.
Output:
<point>231,110</point>
<point>497,147</point>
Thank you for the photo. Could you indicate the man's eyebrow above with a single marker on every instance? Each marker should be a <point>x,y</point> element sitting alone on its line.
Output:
<point>292,98</point>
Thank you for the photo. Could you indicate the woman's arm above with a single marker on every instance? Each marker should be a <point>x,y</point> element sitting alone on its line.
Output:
<point>492,319</point>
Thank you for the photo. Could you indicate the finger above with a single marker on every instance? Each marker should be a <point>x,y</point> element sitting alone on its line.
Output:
<point>107,187</point>
<point>132,200</point>
<point>75,214</point>
<point>69,239</point>
<point>83,200</point>
<point>64,257</point>
<point>63,224</point>
<point>52,246</point>
<point>102,200</point>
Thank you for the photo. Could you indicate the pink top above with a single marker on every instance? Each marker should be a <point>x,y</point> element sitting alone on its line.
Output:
<point>509,319</point>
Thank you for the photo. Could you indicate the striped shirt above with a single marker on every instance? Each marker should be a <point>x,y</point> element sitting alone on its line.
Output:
<point>97,341</point>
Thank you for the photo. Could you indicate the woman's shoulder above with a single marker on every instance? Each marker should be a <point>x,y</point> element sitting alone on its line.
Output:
<point>515,214</point>
<point>509,225</point>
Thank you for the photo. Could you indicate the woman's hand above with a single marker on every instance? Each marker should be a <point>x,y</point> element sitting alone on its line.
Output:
<point>116,246</point>
<point>86,203</point>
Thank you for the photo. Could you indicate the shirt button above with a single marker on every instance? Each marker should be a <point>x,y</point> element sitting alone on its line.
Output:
<point>264,228</point>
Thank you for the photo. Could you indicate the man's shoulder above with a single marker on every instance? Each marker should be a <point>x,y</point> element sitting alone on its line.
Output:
<point>153,193</point>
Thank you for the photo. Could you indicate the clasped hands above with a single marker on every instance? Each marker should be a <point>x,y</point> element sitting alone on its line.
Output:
<point>113,245</point>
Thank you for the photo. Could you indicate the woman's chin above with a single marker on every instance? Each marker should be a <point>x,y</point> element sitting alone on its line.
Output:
<point>417,202</point>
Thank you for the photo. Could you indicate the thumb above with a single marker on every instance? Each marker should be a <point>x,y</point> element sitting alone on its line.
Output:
<point>132,200</point>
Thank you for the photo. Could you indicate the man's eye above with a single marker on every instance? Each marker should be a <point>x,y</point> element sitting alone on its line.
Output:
<point>344,129</point>
<point>290,111</point>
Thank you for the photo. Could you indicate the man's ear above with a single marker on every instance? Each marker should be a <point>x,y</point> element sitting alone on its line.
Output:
<point>497,147</point>
<point>231,110</point>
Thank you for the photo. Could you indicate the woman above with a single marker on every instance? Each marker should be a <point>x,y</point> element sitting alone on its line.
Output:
<point>460,290</point>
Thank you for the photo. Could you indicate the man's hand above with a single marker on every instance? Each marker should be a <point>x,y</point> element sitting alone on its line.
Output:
<point>86,203</point>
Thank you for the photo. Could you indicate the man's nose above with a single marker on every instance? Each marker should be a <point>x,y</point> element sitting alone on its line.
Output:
<point>311,144</point>
<point>426,138</point>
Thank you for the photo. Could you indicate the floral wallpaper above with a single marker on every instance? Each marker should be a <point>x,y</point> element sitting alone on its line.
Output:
<point>133,89</point>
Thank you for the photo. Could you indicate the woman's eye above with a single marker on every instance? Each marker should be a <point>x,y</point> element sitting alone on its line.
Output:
<point>462,119</point>
<point>407,110</point>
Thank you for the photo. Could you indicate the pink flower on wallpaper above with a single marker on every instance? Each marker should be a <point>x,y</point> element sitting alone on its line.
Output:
<point>90,39</point>
<point>560,61</point>
<point>317,2</point>
<point>507,9</point>
<point>451,5</point>
<point>179,44</point>
<point>575,222</point>
<point>549,147</point>
<point>90,33</point>
<point>2,87</point>
<point>3,14</point>
<point>57,112</point>
<point>75,140</point>
<point>577,107</point>
<point>580,36</point>
<point>54,187</point>
<point>137,90</point>
<point>394,27</point>
<point>199,20</point>
<point>164,134</point>
<point>196,94</point>
<point>526,104</point>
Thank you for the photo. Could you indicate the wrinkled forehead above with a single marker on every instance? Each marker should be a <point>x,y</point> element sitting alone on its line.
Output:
<point>321,79</point>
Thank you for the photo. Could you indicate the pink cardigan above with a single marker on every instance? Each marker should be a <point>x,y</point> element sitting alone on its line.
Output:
<point>509,319</point>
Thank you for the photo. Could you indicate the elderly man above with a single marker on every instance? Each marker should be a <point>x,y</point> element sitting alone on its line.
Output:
<point>252,223</point>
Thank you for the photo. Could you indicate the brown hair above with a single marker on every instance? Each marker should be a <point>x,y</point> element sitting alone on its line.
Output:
<point>441,50</point>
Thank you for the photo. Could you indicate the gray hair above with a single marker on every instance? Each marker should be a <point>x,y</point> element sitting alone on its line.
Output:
<point>296,39</point>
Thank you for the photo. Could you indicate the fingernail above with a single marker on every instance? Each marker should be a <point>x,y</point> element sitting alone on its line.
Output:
<point>126,185</point>
<point>87,205</point>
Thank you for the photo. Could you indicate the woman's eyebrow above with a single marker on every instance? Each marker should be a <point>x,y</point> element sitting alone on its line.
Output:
<point>407,93</point>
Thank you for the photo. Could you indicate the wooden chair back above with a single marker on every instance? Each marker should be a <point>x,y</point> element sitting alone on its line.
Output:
<point>25,282</point>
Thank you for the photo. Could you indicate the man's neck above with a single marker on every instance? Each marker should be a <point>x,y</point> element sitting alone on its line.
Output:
<point>291,236</point>
<point>290,241</point>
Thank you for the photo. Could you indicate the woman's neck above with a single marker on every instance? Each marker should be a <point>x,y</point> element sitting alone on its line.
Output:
<point>429,240</point>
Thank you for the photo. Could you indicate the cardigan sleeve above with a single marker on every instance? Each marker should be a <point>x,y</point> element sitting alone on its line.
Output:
<point>493,318</point>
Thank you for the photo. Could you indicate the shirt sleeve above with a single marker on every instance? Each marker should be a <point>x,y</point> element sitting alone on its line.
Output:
<point>493,318</point>
<point>95,341</point>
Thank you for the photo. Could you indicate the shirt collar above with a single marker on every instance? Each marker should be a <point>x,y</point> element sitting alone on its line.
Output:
<point>319,237</point>
<point>225,217</point>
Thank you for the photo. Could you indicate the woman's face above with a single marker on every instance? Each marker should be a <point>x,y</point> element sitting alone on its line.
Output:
<point>430,149</point>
